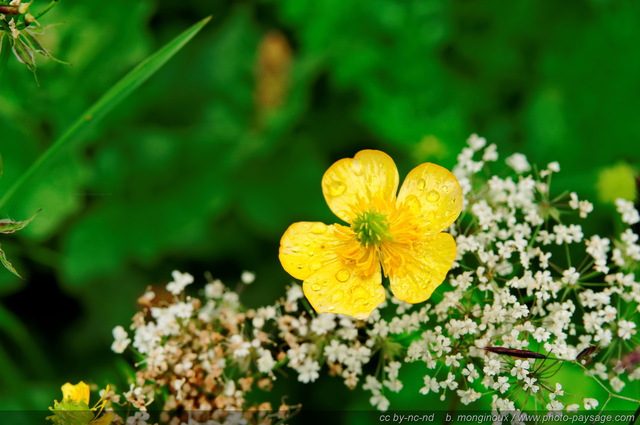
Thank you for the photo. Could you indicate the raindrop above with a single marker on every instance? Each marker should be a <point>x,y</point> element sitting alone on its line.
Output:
<point>412,202</point>
<point>421,184</point>
<point>316,265</point>
<point>337,188</point>
<point>357,167</point>
<point>433,196</point>
<point>343,275</point>
<point>315,286</point>
<point>318,228</point>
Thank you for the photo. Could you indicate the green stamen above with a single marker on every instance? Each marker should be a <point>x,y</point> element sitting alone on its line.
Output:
<point>371,228</point>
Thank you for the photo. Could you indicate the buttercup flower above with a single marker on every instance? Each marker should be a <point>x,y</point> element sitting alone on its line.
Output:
<point>341,265</point>
<point>74,408</point>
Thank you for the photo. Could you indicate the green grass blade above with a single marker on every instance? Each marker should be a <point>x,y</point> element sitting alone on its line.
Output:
<point>108,101</point>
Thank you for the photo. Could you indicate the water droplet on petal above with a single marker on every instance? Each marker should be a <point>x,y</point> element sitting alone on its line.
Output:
<point>357,167</point>
<point>337,188</point>
<point>318,228</point>
<point>433,196</point>
<point>421,184</point>
<point>315,286</point>
<point>306,243</point>
<point>412,203</point>
<point>331,308</point>
<point>311,253</point>
<point>316,265</point>
<point>343,275</point>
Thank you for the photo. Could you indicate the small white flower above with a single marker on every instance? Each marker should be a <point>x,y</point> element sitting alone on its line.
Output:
<point>570,276</point>
<point>247,277</point>
<point>308,371</point>
<point>529,385</point>
<point>430,385</point>
<point>502,384</point>
<point>468,396</point>
<point>470,372</point>
<point>265,362</point>
<point>518,162</point>
<point>380,402</point>
<point>626,329</point>
<point>214,289</point>
<point>121,340</point>
<point>590,403</point>
<point>629,213</point>
<point>521,369</point>
<point>554,406</point>
<point>139,418</point>
<point>180,281</point>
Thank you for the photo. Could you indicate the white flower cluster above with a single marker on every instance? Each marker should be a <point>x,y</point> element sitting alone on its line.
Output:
<point>528,294</point>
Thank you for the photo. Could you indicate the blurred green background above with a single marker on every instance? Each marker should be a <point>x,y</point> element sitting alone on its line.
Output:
<point>206,165</point>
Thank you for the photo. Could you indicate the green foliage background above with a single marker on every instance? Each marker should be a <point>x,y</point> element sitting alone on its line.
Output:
<point>188,174</point>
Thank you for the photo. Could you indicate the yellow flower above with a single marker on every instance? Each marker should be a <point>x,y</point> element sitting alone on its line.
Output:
<point>78,392</point>
<point>74,407</point>
<point>340,265</point>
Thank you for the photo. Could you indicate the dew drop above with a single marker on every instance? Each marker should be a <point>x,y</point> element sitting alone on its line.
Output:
<point>412,202</point>
<point>311,253</point>
<point>316,265</point>
<point>421,184</point>
<point>343,275</point>
<point>357,167</point>
<point>337,188</point>
<point>318,228</point>
<point>433,196</point>
<point>315,286</point>
<point>331,308</point>
<point>306,243</point>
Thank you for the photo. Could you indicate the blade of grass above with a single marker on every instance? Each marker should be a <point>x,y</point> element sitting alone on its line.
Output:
<point>15,329</point>
<point>108,101</point>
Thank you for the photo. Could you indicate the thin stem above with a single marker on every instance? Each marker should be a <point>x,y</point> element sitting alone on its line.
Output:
<point>5,51</point>
<point>50,6</point>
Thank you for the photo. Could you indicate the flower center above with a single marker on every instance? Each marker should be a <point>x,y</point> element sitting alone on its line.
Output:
<point>371,228</point>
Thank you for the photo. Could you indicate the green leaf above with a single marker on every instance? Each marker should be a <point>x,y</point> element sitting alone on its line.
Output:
<point>10,226</point>
<point>7,264</point>
<point>106,103</point>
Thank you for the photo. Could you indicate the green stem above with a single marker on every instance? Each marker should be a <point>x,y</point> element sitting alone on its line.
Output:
<point>5,51</point>
<point>46,9</point>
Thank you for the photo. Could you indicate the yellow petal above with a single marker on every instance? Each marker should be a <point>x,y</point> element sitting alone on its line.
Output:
<point>363,180</point>
<point>77,392</point>
<point>105,419</point>
<point>306,246</point>
<point>434,196</point>
<point>338,288</point>
<point>423,269</point>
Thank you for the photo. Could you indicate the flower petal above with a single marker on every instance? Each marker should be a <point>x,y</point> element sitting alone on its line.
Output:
<point>370,175</point>
<point>78,392</point>
<point>424,270</point>
<point>434,195</point>
<point>309,251</point>
<point>306,246</point>
<point>337,288</point>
